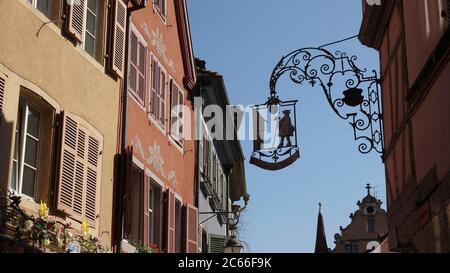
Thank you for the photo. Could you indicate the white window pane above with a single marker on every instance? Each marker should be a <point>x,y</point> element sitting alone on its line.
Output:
<point>92,6</point>
<point>133,78</point>
<point>13,182</point>
<point>31,152</point>
<point>44,6</point>
<point>142,55</point>
<point>89,45</point>
<point>90,23</point>
<point>28,182</point>
<point>141,87</point>
<point>33,122</point>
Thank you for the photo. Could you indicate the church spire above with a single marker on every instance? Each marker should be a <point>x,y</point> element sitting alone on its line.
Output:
<point>321,240</point>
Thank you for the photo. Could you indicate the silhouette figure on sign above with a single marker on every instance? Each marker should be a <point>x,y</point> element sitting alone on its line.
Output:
<point>286,129</point>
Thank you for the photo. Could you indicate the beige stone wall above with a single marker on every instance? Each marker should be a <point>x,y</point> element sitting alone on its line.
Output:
<point>67,78</point>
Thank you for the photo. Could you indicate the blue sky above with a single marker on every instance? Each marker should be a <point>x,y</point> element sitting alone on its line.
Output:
<point>243,40</point>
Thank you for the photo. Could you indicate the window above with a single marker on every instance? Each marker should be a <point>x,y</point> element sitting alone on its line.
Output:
<point>446,11</point>
<point>158,93</point>
<point>176,106</point>
<point>351,249</point>
<point>44,6</point>
<point>91,30</point>
<point>155,208</point>
<point>137,65</point>
<point>161,7</point>
<point>85,23</point>
<point>26,149</point>
<point>178,229</point>
<point>370,225</point>
<point>137,180</point>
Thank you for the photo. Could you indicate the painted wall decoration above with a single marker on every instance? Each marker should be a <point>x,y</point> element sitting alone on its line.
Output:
<point>156,38</point>
<point>154,158</point>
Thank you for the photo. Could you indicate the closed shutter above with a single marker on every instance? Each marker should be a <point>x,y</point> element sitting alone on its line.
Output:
<point>200,238</point>
<point>117,60</point>
<point>191,229</point>
<point>205,245</point>
<point>76,18</point>
<point>200,155</point>
<point>216,243</point>
<point>2,91</point>
<point>128,161</point>
<point>80,169</point>
<point>205,157</point>
<point>170,214</point>
<point>146,215</point>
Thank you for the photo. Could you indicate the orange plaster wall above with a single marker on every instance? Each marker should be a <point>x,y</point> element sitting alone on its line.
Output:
<point>182,164</point>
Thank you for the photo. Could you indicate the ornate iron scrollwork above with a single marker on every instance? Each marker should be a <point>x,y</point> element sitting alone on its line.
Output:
<point>359,103</point>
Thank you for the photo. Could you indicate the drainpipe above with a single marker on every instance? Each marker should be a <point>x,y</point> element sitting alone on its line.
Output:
<point>227,170</point>
<point>120,210</point>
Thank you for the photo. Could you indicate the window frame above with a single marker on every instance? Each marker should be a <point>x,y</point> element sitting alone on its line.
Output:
<point>156,120</point>
<point>22,134</point>
<point>162,13</point>
<point>179,142</point>
<point>351,248</point>
<point>153,184</point>
<point>179,236</point>
<point>370,225</point>
<point>96,30</point>
<point>139,41</point>
<point>137,165</point>
<point>33,3</point>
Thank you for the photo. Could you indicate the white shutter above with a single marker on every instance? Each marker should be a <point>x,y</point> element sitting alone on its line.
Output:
<point>117,61</point>
<point>80,169</point>
<point>77,18</point>
<point>2,91</point>
<point>200,155</point>
<point>216,243</point>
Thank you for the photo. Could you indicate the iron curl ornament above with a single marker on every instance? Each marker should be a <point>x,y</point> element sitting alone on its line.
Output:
<point>353,94</point>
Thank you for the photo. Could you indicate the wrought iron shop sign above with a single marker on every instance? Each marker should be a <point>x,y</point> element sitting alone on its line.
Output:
<point>353,94</point>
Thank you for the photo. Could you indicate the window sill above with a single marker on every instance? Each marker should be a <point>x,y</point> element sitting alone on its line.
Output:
<point>178,146</point>
<point>163,17</point>
<point>133,97</point>
<point>157,124</point>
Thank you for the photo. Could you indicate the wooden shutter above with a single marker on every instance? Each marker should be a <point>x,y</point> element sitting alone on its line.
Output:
<point>128,161</point>
<point>133,63</point>
<point>145,207</point>
<point>76,18</point>
<point>191,229</point>
<point>216,243</point>
<point>205,245</point>
<point>2,92</point>
<point>117,58</point>
<point>170,225</point>
<point>80,169</point>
